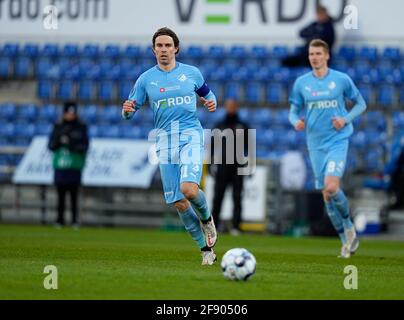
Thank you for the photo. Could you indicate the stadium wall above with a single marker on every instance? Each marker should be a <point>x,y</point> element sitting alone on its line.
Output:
<point>196,21</point>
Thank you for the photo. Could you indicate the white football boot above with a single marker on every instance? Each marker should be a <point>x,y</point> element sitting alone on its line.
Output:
<point>345,253</point>
<point>208,257</point>
<point>352,240</point>
<point>210,233</point>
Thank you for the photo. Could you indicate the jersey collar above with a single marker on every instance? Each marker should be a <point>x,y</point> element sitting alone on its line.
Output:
<point>176,67</point>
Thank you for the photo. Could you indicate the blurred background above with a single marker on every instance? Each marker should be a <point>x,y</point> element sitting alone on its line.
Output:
<point>93,51</point>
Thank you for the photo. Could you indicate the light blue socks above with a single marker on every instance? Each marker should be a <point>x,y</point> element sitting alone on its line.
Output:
<point>336,220</point>
<point>201,205</point>
<point>340,202</point>
<point>193,226</point>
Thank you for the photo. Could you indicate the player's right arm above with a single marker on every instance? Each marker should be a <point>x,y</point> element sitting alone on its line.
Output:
<point>135,100</point>
<point>296,103</point>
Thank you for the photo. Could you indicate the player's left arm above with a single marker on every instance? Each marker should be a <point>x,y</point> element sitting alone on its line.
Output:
<point>352,93</point>
<point>208,98</point>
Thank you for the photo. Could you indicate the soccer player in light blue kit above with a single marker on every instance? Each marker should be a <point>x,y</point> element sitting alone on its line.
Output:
<point>171,88</point>
<point>328,126</point>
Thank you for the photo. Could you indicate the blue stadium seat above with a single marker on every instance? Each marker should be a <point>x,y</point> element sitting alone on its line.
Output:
<point>132,51</point>
<point>43,65</point>
<point>398,121</point>
<point>65,90</point>
<point>369,53</point>
<point>93,131</point>
<point>367,92</point>
<point>23,67</point>
<point>124,88</point>
<point>347,52</point>
<point>24,131</point>
<point>106,90</point>
<point>261,117</point>
<point>373,160</point>
<point>279,52</point>
<point>88,113</point>
<point>7,130</point>
<point>194,52</point>
<point>10,50</point>
<point>130,132</point>
<point>112,51</point>
<point>48,113</point>
<point>7,111</point>
<point>50,50</point>
<point>374,119</point>
<point>45,89</point>
<point>217,88</point>
<point>30,50</point>
<point>70,50</point>
<point>392,54</point>
<point>90,51</point>
<point>43,128</point>
<point>401,96</point>
<point>259,52</point>
<point>253,92</point>
<point>274,93</point>
<point>386,96</point>
<point>240,74</point>
<point>359,140</point>
<point>86,90</point>
<point>109,131</point>
<point>281,119</point>
<point>6,67</point>
<point>27,112</point>
<point>216,51</point>
<point>220,74</point>
<point>111,114</point>
<point>238,52</point>
<point>233,90</point>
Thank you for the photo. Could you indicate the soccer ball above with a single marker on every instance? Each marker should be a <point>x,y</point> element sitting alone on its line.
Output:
<point>238,264</point>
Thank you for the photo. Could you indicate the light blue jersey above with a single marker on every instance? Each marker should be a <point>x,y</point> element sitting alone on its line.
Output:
<point>179,135</point>
<point>324,99</point>
<point>172,97</point>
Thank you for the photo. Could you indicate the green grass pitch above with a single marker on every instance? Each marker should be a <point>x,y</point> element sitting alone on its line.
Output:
<point>98,263</point>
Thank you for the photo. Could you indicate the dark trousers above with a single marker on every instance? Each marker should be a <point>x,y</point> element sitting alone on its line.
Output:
<point>62,191</point>
<point>228,176</point>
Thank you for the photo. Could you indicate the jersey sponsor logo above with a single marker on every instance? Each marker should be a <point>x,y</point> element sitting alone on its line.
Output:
<point>162,90</point>
<point>323,104</point>
<point>320,93</point>
<point>172,102</point>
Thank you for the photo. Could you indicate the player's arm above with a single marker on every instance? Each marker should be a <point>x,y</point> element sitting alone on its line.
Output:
<point>208,98</point>
<point>135,100</point>
<point>353,94</point>
<point>296,103</point>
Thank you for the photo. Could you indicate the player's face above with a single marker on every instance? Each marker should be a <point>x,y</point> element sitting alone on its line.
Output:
<point>318,57</point>
<point>164,50</point>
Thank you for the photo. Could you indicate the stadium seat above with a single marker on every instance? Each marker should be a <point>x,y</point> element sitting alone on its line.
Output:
<point>111,114</point>
<point>48,113</point>
<point>261,118</point>
<point>132,52</point>
<point>274,93</point>
<point>88,113</point>
<point>392,54</point>
<point>45,89</point>
<point>216,51</point>
<point>233,90</point>
<point>194,52</point>
<point>367,92</point>
<point>386,96</point>
<point>30,50</point>
<point>106,90</point>
<point>398,121</point>
<point>7,130</point>
<point>7,111</point>
<point>93,131</point>
<point>90,51</point>
<point>6,67</point>
<point>43,65</point>
<point>65,90</point>
<point>279,52</point>
<point>348,53</point>
<point>238,52</point>
<point>50,50</point>
<point>259,52</point>
<point>27,112</point>
<point>86,90</point>
<point>369,53</point>
<point>124,88</point>
<point>70,50</point>
<point>130,132</point>
<point>23,67</point>
<point>10,50</point>
<point>402,96</point>
<point>43,128</point>
<point>253,92</point>
<point>112,51</point>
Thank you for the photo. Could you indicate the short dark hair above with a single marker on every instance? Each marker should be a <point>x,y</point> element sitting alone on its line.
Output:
<point>318,43</point>
<point>322,9</point>
<point>167,32</point>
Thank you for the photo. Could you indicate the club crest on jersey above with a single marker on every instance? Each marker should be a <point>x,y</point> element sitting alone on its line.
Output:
<point>332,85</point>
<point>182,78</point>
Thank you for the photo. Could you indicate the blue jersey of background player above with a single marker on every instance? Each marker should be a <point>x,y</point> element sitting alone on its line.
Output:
<point>322,93</point>
<point>171,88</point>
